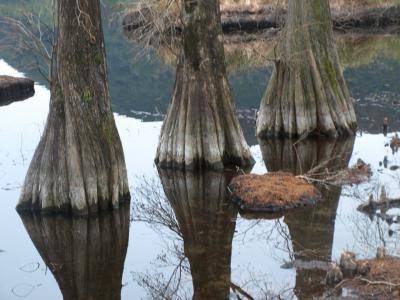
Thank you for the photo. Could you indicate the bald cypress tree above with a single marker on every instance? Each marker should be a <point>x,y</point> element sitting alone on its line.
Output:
<point>307,92</point>
<point>79,163</point>
<point>201,129</point>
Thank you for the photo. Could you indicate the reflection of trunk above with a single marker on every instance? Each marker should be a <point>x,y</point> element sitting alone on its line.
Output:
<point>79,163</point>
<point>207,222</point>
<point>201,129</point>
<point>312,233</point>
<point>300,157</point>
<point>86,256</point>
<point>307,92</point>
<point>311,230</point>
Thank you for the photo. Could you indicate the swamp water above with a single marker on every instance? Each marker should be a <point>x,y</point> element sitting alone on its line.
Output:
<point>181,238</point>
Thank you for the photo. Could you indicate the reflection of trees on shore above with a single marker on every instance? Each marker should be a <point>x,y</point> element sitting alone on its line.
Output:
<point>85,255</point>
<point>311,230</point>
<point>244,54</point>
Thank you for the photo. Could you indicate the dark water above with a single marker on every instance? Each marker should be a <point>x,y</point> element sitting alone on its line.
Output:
<point>181,237</point>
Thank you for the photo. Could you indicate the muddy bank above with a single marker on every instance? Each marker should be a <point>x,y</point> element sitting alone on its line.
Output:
<point>375,18</point>
<point>382,280</point>
<point>15,89</point>
<point>269,17</point>
<point>375,278</point>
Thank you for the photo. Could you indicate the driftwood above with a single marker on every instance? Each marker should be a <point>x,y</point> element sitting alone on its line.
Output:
<point>15,89</point>
<point>383,204</point>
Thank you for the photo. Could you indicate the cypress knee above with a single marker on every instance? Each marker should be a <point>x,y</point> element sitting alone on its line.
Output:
<point>307,92</point>
<point>79,163</point>
<point>201,129</point>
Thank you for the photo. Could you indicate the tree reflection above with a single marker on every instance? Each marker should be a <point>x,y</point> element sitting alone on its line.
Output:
<point>311,230</point>
<point>85,255</point>
<point>207,222</point>
<point>196,208</point>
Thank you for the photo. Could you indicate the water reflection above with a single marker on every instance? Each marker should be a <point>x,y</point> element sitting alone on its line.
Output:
<point>18,96</point>
<point>313,154</point>
<point>207,221</point>
<point>311,230</point>
<point>195,215</point>
<point>85,255</point>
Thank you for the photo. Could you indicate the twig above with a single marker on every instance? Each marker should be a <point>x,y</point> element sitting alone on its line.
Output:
<point>237,288</point>
<point>369,282</point>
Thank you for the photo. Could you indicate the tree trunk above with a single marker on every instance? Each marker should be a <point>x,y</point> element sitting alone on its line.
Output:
<point>201,129</point>
<point>79,164</point>
<point>307,92</point>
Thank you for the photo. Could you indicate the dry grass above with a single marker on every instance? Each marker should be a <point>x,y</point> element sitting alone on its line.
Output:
<point>272,192</point>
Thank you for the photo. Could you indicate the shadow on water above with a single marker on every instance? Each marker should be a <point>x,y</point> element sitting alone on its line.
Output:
<point>311,230</point>
<point>85,255</point>
<point>207,221</point>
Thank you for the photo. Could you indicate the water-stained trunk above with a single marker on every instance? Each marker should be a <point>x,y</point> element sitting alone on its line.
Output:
<point>79,163</point>
<point>201,129</point>
<point>307,92</point>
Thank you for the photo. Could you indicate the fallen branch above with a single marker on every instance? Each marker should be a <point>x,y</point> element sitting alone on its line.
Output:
<point>241,291</point>
<point>369,282</point>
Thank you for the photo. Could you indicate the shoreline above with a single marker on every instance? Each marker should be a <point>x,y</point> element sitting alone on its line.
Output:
<point>373,19</point>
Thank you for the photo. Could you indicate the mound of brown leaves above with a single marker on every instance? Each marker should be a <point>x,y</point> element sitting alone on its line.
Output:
<point>272,192</point>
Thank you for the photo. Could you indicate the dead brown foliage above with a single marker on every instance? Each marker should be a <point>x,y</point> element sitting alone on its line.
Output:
<point>272,192</point>
<point>382,282</point>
